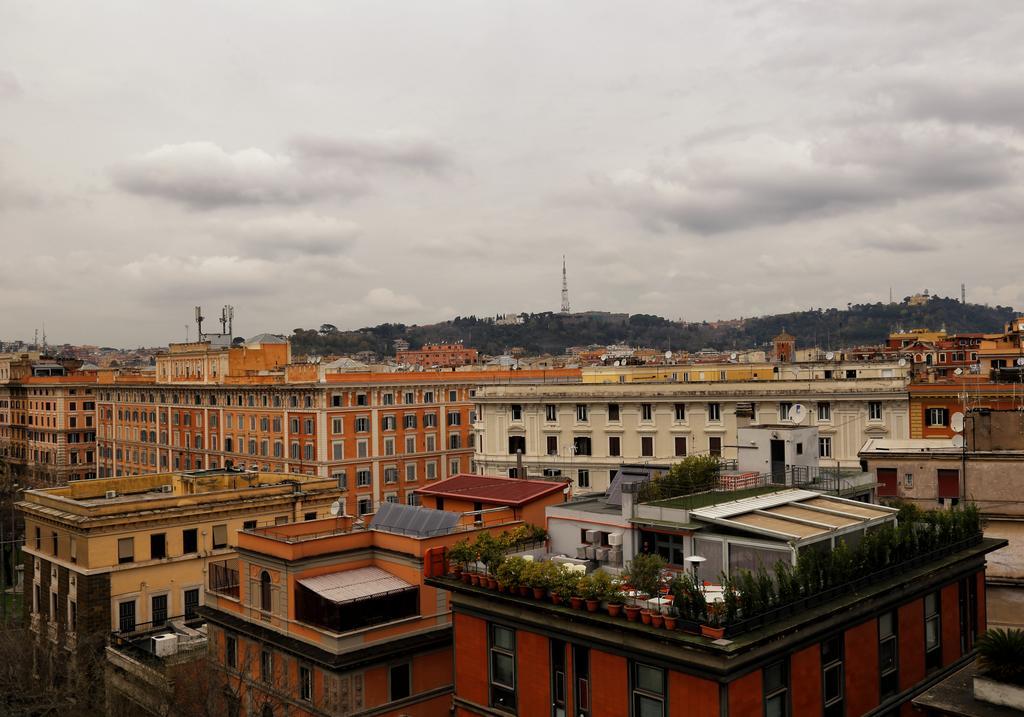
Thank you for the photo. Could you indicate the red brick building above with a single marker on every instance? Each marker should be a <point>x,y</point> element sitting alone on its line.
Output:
<point>439,356</point>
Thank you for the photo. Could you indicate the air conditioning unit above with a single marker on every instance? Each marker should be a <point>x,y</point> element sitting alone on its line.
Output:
<point>164,645</point>
<point>614,538</point>
<point>111,494</point>
<point>593,536</point>
<point>602,555</point>
<point>167,488</point>
<point>581,552</point>
<point>591,553</point>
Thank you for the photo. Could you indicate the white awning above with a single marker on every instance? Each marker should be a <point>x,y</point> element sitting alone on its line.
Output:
<point>358,584</point>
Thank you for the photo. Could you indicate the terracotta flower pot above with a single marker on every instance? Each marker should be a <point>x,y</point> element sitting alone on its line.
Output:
<point>593,605</point>
<point>502,587</point>
<point>457,572</point>
<point>645,616</point>
<point>715,633</point>
<point>466,578</point>
<point>556,599</point>
<point>474,579</point>
<point>670,622</point>
<point>614,609</point>
<point>539,593</point>
<point>523,590</point>
<point>492,583</point>
<point>576,602</point>
<point>657,619</point>
<point>631,612</point>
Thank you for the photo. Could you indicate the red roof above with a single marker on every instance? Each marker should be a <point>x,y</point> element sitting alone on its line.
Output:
<point>494,489</point>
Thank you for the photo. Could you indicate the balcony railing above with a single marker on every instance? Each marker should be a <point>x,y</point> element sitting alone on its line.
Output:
<point>224,579</point>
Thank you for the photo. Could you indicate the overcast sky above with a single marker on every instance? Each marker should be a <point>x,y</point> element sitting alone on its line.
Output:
<point>362,162</point>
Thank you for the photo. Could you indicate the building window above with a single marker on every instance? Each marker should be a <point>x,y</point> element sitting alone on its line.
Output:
<point>552,445</point>
<point>191,603</point>
<point>647,446</point>
<point>267,666</point>
<point>189,541</point>
<point>454,418</point>
<point>363,478</point>
<point>231,651</point>
<point>581,445</point>
<point>220,536</point>
<point>409,420</point>
<point>126,616</point>
<point>503,667</point>
<point>517,412</point>
<point>938,417</point>
<point>715,446</point>
<point>648,690</point>
<point>824,446</point>
<point>824,411</point>
<point>265,592</point>
<point>364,506</point>
<point>337,425</point>
<point>583,478</point>
<point>157,546</point>
<point>305,683</point>
<point>874,410</point>
<point>949,483</point>
<point>932,631</point>
<point>399,681</point>
<point>362,424</point>
<point>832,676</point>
<point>454,441</point>
<point>388,399</point>
<point>784,408</point>
<point>125,550</point>
<point>582,414</point>
<point>646,412</point>
<point>714,412</point>
<point>550,412</point>
<point>680,445</point>
<point>776,689</point>
<point>581,685</point>
<point>613,412</point>
<point>391,475</point>
<point>388,423</point>
<point>430,420</point>
<point>888,654</point>
<point>680,411</point>
<point>614,446</point>
<point>516,444</point>
<point>158,610</point>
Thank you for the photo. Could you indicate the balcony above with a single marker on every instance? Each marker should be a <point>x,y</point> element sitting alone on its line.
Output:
<point>52,631</point>
<point>35,622</point>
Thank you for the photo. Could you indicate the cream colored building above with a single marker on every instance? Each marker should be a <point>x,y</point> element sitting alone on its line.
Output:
<point>585,431</point>
<point>112,554</point>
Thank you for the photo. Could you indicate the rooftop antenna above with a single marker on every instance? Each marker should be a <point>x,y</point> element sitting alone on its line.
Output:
<point>224,319</point>
<point>565,289</point>
<point>231,318</point>
<point>963,293</point>
<point>199,322</point>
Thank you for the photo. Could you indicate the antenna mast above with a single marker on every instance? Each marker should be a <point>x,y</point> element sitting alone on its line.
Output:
<point>565,289</point>
<point>199,322</point>
<point>963,293</point>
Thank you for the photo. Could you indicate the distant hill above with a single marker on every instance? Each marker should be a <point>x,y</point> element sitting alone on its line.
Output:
<point>859,324</point>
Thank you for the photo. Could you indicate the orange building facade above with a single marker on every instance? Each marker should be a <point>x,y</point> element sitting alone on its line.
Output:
<point>381,435</point>
<point>47,420</point>
<point>325,618</point>
<point>439,356</point>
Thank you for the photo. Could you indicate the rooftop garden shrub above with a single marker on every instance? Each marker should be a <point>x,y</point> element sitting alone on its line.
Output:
<point>1002,655</point>
<point>644,572</point>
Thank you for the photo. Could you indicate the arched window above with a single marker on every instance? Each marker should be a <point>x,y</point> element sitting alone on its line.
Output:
<point>265,591</point>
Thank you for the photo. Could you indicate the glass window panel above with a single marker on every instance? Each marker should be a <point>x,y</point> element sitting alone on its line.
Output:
<point>503,669</point>
<point>504,638</point>
<point>885,624</point>
<point>775,706</point>
<point>649,707</point>
<point>887,655</point>
<point>931,634</point>
<point>833,683</point>
<point>649,678</point>
<point>774,677</point>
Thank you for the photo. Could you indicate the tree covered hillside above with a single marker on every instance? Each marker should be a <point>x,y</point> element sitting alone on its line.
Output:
<point>859,324</point>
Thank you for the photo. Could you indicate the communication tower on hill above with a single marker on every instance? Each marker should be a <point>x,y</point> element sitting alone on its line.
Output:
<point>565,289</point>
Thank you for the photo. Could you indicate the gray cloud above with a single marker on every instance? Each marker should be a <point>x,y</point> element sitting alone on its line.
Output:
<point>765,180</point>
<point>203,175</point>
<point>283,235</point>
<point>394,150</point>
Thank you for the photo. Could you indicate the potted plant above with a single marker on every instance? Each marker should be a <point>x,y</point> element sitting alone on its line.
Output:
<point>540,579</point>
<point>645,573</point>
<point>590,591</point>
<point>459,556</point>
<point>510,573</point>
<point>713,627</point>
<point>564,584</point>
<point>490,551</point>
<point>613,597</point>
<point>656,618</point>
<point>671,618</point>
<point>632,611</point>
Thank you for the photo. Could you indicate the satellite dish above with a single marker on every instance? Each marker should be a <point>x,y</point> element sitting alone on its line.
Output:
<point>958,441</point>
<point>829,356</point>
<point>1020,361</point>
<point>797,413</point>
<point>668,354</point>
<point>956,422</point>
<point>958,371</point>
<point>617,363</point>
<point>902,362</point>
<point>336,507</point>
<point>732,356</point>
